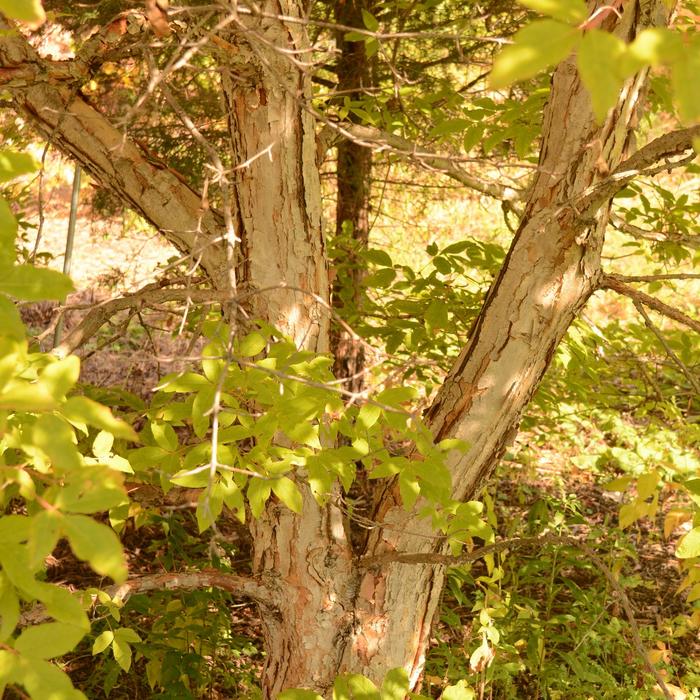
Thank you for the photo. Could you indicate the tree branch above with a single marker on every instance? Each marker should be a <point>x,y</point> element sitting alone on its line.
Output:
<point>659,278</point>
<point>194,580</point>
<point>667,347</point>
<point>617,285</point>
<point>45,92</point>
<point>655,236</point>
<point>379,141</point>
<point>644,162</point>
<point>146,296</point>
<point>243,586</point>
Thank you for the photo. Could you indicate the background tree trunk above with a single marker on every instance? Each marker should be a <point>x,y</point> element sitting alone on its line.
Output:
<point>353,177</point>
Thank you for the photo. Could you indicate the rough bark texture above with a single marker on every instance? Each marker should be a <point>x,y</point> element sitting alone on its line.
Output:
<point>306,558</point>
<point>325,615</point>
<point>551,269</point>
<point>276,181</point>
<point>354,171</point>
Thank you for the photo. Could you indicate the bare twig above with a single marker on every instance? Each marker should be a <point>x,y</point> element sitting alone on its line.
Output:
<point>667,347</point>
<point>617,285</point>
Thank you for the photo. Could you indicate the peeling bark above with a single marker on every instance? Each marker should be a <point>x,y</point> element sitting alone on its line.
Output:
<point>325,614</point>
<point>551,269</point>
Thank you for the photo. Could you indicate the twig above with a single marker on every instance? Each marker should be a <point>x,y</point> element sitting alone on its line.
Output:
<point>669,350</point>
<point>617,285</point>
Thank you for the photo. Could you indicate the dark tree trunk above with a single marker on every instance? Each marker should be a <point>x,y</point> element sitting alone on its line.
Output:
<point>354,171</point>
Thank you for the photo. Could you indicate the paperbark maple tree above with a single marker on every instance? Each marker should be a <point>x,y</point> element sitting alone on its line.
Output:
<point>323,611</point>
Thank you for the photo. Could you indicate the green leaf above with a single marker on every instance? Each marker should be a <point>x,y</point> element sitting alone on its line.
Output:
<point>288,492</point>
<point>647,483</point>
<point>182,383</point>
<point>165,436</point>
<point>298,694</point>
<point>57,439</point>
<point>258,493</point>
<point>25,11</point>
<point>201,407</point>
<point>461,691</point>
<point>9,609</point>
<point>48,640</point>
<point>35,283</point>
<point>369,20</point>
<point>14,529</point>
<point>126,634</point>
<point>689,546</point>
<point>44,681</point>
<point>63,606</point>
<point>252,344</point>
<point>569,11</point>
<point>353,686</point>
<point>598,57</point>
<point>631,512</point>
<point>395,685</point>
<point>97,544</point>
<point>102,444</point>
<point>10,321</point>
<point>82,409</point>
<point>43,536</point>
<point>449,126</point>
<point>12,163</point>
<point>122,654</point>
<point>368,415</point>
<point>95,492</point>
<point>26,396</point>
<point>102,642</point>
<point>655,46</point>
<point>60,377</point>
<point>397,395</point>
<point>8,233</point>
<point>408,488</point>
<point>684,79</point>
<point>536,47</point>
<point>377,256</point>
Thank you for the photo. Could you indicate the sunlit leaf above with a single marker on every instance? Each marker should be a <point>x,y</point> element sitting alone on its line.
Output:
<point>97,544</point>
<point>288,492</point>
<point>539,45</point>
<point>599,55</point>
<point>80,408</point>
<point>25,11</point>
<point>569,11</point>
<point>35,283</point>
<point>689,546</point>
<point>102,642</point>
<point>48,640</point>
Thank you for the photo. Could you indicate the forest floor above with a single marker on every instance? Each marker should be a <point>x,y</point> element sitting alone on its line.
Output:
<point>118,255</point>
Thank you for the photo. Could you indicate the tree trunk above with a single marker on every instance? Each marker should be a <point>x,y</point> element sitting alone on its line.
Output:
<point>354,171</point>
<point>551,269</point>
